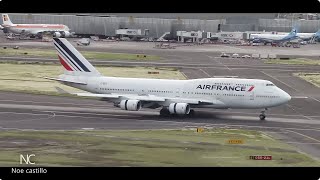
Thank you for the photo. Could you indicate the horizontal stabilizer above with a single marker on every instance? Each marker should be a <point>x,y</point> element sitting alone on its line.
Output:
<point>66,81</point>
<point>62,91</point>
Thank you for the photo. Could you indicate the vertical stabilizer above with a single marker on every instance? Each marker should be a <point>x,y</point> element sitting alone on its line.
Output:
<point>6,20</point>
<point>72,60</point>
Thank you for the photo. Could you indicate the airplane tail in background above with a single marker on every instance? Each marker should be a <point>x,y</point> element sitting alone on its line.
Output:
<point>72,61</point>
<point>6,20</point>
<point>317,35</point>
<point>293,32</point>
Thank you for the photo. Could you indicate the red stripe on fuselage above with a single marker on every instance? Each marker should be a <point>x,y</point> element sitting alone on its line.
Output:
<point>251,88</point>
<point>64,64</point>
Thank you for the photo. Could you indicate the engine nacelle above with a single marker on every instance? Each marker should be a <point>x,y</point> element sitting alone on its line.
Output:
<point>5,30</point>
<point>56,34</point>
<point>130,105</point>
<point>65,34</point>
<point>179,108</point>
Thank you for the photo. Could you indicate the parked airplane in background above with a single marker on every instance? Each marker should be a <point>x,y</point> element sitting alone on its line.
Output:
<point>309,36</point>
<point>37,30</point>
<point>174,96</point>
<point>274,38</point>
<point>304,36</point>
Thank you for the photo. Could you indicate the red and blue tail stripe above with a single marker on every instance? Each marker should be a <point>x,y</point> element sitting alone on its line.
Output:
<point>64,64</point>
<point>68,59</point>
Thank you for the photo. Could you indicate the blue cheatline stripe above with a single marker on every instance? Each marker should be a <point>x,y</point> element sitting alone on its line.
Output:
<point>75,58</point>
<point>60,51</point>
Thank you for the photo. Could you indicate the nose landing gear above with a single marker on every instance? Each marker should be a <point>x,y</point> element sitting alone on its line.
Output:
<point>262,116</point>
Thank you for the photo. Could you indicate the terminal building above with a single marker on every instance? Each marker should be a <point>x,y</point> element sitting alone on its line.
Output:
<point>168,25</point>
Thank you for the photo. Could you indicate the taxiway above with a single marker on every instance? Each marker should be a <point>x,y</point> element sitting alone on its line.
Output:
<point>297,123</point>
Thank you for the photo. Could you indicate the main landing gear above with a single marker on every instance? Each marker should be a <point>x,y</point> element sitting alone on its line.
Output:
<point>164,112</point>
<point>191,113</point>
<point>262,116</point>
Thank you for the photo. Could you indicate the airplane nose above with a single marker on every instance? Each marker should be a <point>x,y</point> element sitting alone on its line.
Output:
<point>287,97</point>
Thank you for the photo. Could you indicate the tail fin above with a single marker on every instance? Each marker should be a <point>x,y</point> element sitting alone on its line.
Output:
<point>6,20</point>
<point>72,60</point>
<point>293,32</point>
<point>317,34</point>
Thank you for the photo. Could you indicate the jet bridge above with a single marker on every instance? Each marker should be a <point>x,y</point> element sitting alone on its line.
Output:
<point>132,33</point>
<point>194,36</point>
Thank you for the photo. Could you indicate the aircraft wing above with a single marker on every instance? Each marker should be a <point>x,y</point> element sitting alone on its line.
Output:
<point>190,101</point>
<point>35,32</point>
<point>146,98</point>
<point>108,96</point>
<point>149,98</point>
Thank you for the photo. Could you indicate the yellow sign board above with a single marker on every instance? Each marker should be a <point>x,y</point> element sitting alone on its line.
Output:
<point>200,130</point>
<point>235,141</point>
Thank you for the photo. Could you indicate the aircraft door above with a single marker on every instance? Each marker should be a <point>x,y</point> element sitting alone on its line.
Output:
<point>178,92</point>
<point>251,95</point>
<point>142,92</point>
<point>94,85</point>
<point>101,86</point>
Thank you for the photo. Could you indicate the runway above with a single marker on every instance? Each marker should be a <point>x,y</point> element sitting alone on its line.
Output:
<point>33,112</point>
<point>297,123</point>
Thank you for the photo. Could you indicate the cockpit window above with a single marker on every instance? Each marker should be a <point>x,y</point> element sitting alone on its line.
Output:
<point>270,84</point>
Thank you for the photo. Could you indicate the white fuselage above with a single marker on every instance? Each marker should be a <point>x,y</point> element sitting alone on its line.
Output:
<point>270,37</point>
<point>36,28</point>
<point>306,35</point>
<point>280,36</point>
<point>223,92</point>
<point>303,36</point>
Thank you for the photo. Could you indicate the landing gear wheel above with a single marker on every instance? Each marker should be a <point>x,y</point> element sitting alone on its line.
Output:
<point>164,112</point>
<point>262,117</point>
<point>191,113</point>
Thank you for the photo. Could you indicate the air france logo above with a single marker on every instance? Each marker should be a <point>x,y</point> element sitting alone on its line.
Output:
<point>222,88</point>
<point>251,88</point>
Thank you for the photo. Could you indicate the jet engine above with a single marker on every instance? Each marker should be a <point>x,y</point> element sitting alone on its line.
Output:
<point>179,108</point>
<point>5,30</point>
<point>65,34</point>
<point>56,34</point>
<point>130,105</point>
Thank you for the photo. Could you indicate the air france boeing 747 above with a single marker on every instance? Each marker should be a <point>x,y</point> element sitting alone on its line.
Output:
<point>172,96</point>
